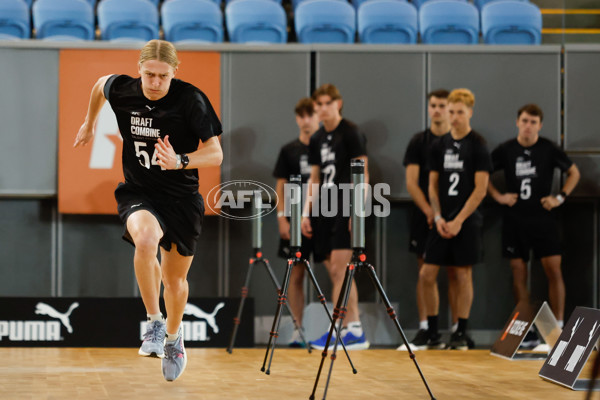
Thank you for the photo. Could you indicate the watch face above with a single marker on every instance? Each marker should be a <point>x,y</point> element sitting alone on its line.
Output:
<point>185,160</point>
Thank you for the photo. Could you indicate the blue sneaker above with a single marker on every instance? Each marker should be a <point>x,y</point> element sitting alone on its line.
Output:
<point>355,342</point>
<point>175,359</point>
<point>319,344</point>
<point>154,340</point>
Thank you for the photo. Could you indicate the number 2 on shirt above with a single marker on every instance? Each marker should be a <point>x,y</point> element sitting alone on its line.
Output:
<point>454,178</point>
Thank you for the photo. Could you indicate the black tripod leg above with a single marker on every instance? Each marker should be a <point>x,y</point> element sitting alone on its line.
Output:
<point>321,298</point>
<point>394,317</point>
<point>274,329</point>
<point>238,319</point>
<point>336,313</point>
<point>343,309</point>
<point>297,326</point>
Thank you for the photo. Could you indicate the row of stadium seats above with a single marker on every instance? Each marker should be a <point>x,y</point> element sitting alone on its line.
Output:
<point>265,21</point>
<point>418,3</point>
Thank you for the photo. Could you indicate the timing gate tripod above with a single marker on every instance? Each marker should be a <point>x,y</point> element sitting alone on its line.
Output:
<point>258,258</point>
<point>358,261</point>
<point>295,243</point>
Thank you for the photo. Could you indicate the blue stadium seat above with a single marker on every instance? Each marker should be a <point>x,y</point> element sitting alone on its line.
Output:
<point>192,21</point>
<point>419,3</point>
<point>63,20</point>
<point>128,20</point>
<point>14,20</point>
<point>325,21</point>
<point>480,3</point>
<point>449,22</point>
<point>511,22</point>
<point>387,21</point>
<point>229,1</point>
<point>256,21</point>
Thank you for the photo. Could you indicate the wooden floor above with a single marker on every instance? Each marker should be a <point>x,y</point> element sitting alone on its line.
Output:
<point>91,373</point>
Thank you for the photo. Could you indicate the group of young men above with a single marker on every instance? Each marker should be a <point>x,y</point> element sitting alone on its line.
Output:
<point>170,129</point>
<point>448,168</point>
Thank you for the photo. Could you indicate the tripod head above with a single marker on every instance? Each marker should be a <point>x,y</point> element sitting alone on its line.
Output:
<point>357,170</point>
<point>257,221</point>
<point>295,201</point>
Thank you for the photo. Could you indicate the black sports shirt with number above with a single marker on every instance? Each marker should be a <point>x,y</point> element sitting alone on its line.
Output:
<point>417,152</point>
<point>529,171</point>
<point>184,114</point>
<point>332,152</point>
<point>293,160</point>
<point>457,161</point>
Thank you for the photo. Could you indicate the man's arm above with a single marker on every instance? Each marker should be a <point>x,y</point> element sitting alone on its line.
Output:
<point>284,225</point>
<point>97,99</point>
<point>314,180</point>
<point>412,185</point>
<point>507,199</point>
<point>481,183</point>
<point>440,223</point>
<point>573,175</point>
<point>209,154</point>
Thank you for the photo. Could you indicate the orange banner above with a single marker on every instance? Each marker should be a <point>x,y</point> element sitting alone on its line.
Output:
<point>88,176</point>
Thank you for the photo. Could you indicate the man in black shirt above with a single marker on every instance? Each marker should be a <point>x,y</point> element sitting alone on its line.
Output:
<point>293,160</point>
<point>459,172</point>
<point>162,121</point>
<point>330,150</point>
<point>421,217</point>
<point>529,224</point>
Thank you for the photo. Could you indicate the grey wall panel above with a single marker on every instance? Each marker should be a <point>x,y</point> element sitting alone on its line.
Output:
<point>589,167</point>
<point>384,94</point>
<point>502,83</point>
<point>29,115</point>
<point>262,90</point>
<point>582,85</point>
<point>493,299</point>
<point>26,247</point>
<point>96,262</point>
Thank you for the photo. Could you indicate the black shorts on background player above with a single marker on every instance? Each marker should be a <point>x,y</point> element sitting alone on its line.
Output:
<point>529,172</point>
<point>418,231</point>
<point>332,152</point>
<point>417,153</point>
<point>521,234</point>
<point>461,250</point>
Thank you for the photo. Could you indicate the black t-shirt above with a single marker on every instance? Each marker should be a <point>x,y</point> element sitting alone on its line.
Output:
<point>418,152</point>
<point>293,160</point>
<point>457,161</point>
<point>332,152</point>
<point>529,171</point>
<point>184,114</point>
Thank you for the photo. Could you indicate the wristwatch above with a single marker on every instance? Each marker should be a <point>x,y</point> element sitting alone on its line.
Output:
<point>185,160</point>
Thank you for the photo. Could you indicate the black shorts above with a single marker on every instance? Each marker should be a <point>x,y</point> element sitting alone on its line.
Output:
<point>306,248</point>
<point>522,234</point>
<point>466,248</point>
<point>330,233</point>
<point>419,231</point>
<point>179,217</point>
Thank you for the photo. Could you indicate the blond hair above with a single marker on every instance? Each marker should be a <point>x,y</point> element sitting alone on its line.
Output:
<point>159,50</point>
<point>464,96</point>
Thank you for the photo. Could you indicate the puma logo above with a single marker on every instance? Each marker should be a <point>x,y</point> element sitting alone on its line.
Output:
<point>45,309</point>
<point>197,312</point>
